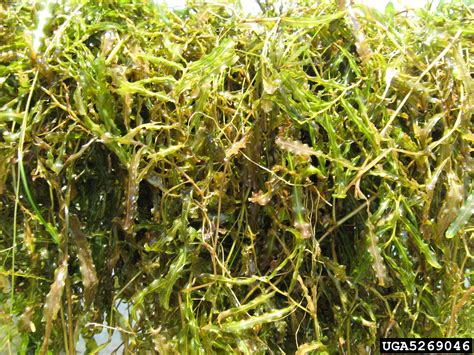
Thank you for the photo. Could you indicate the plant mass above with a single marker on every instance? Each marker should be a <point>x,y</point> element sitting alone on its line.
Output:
<point>204,181</point>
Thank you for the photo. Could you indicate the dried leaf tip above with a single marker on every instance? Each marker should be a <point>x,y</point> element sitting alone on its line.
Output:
<point>261,198</point>
<point>53,301</point>
<point>296,147</point>
<point>377,259</point>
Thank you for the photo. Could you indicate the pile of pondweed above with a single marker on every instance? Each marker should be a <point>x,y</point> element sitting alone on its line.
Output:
<point>200,181</point>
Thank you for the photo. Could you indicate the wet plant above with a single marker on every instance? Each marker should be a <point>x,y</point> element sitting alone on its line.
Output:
<point>201,180</point>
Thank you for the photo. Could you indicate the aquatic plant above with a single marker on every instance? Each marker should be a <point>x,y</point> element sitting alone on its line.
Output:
<point>200,180</point>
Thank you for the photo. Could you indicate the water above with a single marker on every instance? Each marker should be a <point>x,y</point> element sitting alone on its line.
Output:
<point>114,341</point>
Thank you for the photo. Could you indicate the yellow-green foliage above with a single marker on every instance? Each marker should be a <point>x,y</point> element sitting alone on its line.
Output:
<point>204,181</point>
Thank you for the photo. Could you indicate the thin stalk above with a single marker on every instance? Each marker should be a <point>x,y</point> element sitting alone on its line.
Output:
<point>21,144</point>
